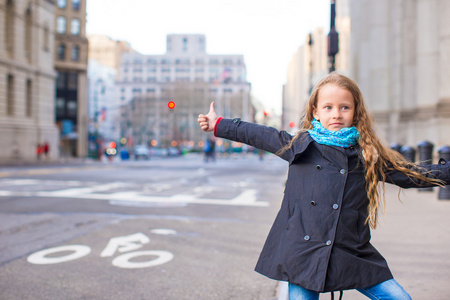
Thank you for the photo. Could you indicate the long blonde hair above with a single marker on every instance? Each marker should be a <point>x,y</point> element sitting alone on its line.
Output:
<point>377,157</point>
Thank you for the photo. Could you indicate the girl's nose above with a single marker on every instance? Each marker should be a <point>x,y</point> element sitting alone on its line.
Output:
<point>337,114</point>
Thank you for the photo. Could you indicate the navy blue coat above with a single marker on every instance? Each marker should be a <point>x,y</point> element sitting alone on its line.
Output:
<point>319,239</point>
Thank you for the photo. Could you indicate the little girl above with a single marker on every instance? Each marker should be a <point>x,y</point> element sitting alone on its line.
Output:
<point>320,239</point>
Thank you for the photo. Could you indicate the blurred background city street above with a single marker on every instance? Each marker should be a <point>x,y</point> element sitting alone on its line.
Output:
<point>110,190</point>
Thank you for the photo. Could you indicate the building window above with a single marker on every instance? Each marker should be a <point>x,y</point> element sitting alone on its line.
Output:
<point>29,99</point>
<point>10,95</point>
<point>9,27</point>
<point>62,3</point>
<point>76,53</point>
<point>228,61</point>
<point>61,25</point>
<point>72,108</point>
<point>75,27</point>
<point>61,52</point>
<point>213,61</point>
<point>185,41</point>
<point>76,4</point>
<point>72,81</point>
<point>61,80</point>
<point>60,106</point>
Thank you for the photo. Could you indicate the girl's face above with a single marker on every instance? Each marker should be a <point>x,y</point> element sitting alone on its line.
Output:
<point>335,107</point>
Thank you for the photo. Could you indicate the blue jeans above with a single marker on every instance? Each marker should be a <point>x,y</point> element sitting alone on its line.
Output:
<point>388,290</point>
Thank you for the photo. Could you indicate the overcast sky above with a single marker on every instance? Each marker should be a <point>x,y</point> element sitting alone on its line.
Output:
<point>266,32</point>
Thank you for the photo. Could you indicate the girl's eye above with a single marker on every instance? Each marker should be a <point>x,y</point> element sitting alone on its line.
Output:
<point>344,107</point>
<point>327,107</point>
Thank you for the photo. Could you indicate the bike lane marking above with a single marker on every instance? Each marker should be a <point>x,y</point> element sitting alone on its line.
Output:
<point>127,244</point>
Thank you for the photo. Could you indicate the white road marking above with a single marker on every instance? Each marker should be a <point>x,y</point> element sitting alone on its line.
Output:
<point>125,244</point>
<point>123,261</point>
<point>39,258</point>
<point>246,198</point>
<point>163,231</point>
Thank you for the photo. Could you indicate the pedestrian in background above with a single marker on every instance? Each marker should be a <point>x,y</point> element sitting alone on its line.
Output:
<point>320,239</point>
<point>46,149</point>
<point>38,151</point>
<point>210,150</point>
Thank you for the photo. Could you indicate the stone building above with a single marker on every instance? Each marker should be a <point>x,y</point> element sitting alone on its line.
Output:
<point>400,57</point>
<point>71,59</point>
<point>27,79</point>
<point>191,78</point>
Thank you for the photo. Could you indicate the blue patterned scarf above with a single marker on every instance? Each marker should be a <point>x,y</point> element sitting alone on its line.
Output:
<point>345,137</point>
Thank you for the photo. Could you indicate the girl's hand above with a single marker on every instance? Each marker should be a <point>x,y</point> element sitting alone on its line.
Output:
<point>208,122</point>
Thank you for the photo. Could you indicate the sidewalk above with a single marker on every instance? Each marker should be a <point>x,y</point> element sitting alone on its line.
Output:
<point>414,237</point>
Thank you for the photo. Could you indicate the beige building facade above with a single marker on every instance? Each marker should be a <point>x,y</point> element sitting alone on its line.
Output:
<point>107,51</point>
<point>70,61</point>
<point>400,57</point>
<point>27,79</point>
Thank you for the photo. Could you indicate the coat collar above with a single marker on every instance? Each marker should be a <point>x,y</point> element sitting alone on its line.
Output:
<point>300,145</point>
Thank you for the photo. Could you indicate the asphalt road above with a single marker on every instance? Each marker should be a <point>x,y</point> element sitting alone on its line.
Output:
<point>175,228</point>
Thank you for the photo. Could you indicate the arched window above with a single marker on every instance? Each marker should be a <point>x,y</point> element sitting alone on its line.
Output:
<point>75,27</point>
<point>76,4</point>
<point>9,27</point>
<point>61,24</point>
<point>76,53</point>
<point>62,3</point>
<point>28,31</point>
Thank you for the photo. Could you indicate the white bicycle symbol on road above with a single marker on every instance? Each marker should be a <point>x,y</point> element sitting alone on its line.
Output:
<point>117,244</point>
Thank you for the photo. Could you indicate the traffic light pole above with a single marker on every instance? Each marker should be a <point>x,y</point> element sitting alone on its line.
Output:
<point>333,39</point>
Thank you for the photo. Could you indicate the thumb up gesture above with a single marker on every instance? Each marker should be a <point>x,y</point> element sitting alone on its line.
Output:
<point>207,122</point>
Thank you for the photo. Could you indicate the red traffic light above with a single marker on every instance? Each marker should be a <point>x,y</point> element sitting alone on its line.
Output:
<point>112,145</point>
<point>292,124</point>
<point>171,104</point>
<point>266,113</point>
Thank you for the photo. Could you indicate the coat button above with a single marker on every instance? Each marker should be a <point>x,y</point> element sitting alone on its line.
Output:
<point>328,243</point>
<point>335,206</point>
<point>313,203</point>
<point>442,161</point>
<point>306,238</point>
<point>235,120</point>
<point>342,171</point>
<point>319,167</point>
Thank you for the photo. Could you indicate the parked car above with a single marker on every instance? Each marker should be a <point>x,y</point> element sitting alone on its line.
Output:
<point>141,152</point>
